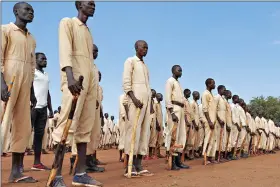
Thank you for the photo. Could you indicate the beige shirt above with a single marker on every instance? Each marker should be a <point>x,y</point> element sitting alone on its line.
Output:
<point>264,125</point>
<point>136,79</point>
<point>235,114</point>
<point>253,125</point>
<point>271,126</point>
<point>242,116</point>
<point>173,92</point>
<point>17,46</point>
<point>209,105</point>
<point>188,111</point>
<point>221,107</point>
<point>75,50</point>
<point>201,115</point>
<point>159,115</point>
<point>258,122</point>
<point>195,112</point>
<point>249,120</point>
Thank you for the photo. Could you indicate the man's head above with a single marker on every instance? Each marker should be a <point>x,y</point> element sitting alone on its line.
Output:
<point>99,73</point>
<point>221,89</point>
<point>59,109</point>
<point>235,99</point>
<point>112,118</point>
<point>177,71</point>
<point>153,93</point>
<point>41,60</point>
<point>159,97</point>
<point>228,94</point>
<point>141,48</point>
<point>87,8</point>
<point>241,102</point>
<point>196,95</point>
<point>106,115</point>
<point>210,83</point>
<point>187,93</point>
<point>55,111</point>
<point>24,12</point>
<point>95,51</point>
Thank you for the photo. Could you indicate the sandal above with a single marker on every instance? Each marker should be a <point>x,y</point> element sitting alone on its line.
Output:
<point>145,173</point>
<point>24,179</point>
<point>134,174</point>
<point>208,163</point>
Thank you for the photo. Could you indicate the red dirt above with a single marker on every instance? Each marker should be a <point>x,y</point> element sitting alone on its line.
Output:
<point>257,171</point>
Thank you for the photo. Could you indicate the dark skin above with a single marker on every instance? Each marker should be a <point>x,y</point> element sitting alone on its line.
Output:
<point>236,101</point>
<point>24,14</point>
<point>141,51</point>
<point>196,97</point>
<point>86,9</point>
<point>210,87</point>
<point>221,93</point>
<point>153,96</point>
<point>228,96</point>
<point>187,95</point>
<point>41,62</point>
<point>177,73</point>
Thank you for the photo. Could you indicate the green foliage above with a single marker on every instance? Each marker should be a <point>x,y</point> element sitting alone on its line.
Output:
<point>268,107</point>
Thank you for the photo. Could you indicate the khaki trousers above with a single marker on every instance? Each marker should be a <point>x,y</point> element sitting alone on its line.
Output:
<point>153,132</point>
<point>6,137</point>
<point>234,134</point>
<point>142,131</point>
<point>45,139</point>
<point>181,136</point>
<point>212,143</point>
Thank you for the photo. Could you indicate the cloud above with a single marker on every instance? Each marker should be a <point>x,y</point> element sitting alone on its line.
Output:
<point>276,42</point>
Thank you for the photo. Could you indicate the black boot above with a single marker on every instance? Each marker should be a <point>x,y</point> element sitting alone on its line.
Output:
<point>138,163</point>
<point>174,166</point>
<point>179,163</point>
<point>91,167</point>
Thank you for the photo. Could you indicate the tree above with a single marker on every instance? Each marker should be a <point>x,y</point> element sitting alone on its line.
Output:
<point>268,107</point>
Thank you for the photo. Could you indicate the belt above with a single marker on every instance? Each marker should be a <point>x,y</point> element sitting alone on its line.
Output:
<point>178,103</point>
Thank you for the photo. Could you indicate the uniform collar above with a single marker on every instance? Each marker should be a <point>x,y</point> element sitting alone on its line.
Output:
<point>79,21</point>
<point>16,28</point>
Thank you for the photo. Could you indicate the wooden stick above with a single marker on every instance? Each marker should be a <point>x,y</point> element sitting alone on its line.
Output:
<point>206,150</point>
<point>10,86</point>
<point>220,143</point>
<point>133,135</point>
<point>59,155</point>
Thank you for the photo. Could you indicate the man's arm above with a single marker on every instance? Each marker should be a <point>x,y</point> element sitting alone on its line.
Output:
<point>205,109</point>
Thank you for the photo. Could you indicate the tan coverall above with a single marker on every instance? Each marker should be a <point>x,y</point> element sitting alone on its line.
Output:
<point>235,120</point>
<point>159,117</point>
<point>189,113</point>
<point>243,125</point>
<point>209,105</point>
<point>153,131</point>
<point>122,120</point>
<point>136,79</point>
<point>198,135</point>
<point>229,123</point>
<point>264,138</point>
<point>203,122</point>
<point>75,50</point>
<point>173,92</point>
<point>18,59</point>
<point>221,112</point>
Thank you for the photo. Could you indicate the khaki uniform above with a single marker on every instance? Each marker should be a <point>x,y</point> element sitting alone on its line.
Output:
<point>106,131</point>
<point>46,136</point>
<point>18,59</point>
<point>259,136</point>
<point>271,140</point>
<point>153,131</point>
<point>264,126</point>
<point>235,120</point>
<point>5,134</point>
<point>229,123</point>
<point>189,113</point>
<point>136,79</point>
<point>209,105</point>
<point>122,120</point>
<point>203,122</point>
<point>75,50</point>
<point>243,125</point>
<point>159,118</point>
<point>221,112</point>
<point>198,135</point>
<point>173,92</point>
<point>167,133</point>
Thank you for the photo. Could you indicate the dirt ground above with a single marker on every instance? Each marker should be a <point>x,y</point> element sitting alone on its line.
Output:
<point>260,171</point>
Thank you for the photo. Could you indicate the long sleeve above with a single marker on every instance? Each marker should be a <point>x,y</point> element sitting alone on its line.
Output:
<point>122,109</point>
<point>3,46</point>
<point>242,117</point>
<point>33,61</point>
<point>205,103</point>
<point>168,94</point>
<point>65,43</point>
<point>127,76</point>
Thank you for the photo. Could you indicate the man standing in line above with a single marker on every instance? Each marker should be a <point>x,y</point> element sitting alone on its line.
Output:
<point>39,115</point>
<point>137,87</point>
<point>209,108</point>
<point>18,59</point>
<point>122,122</point>
<point>159,124</point>
<point>76,59</point>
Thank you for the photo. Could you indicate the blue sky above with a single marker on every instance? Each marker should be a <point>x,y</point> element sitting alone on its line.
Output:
<point>237,44</point>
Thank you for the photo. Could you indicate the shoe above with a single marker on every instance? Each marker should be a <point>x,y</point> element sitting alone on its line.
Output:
<point>98,162</point>
<point>58,182</point>
<point>174,166</point>
<point>91,167</point>
<point>40,167</point>
<point>179,163</point>
<point>85,180</point>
